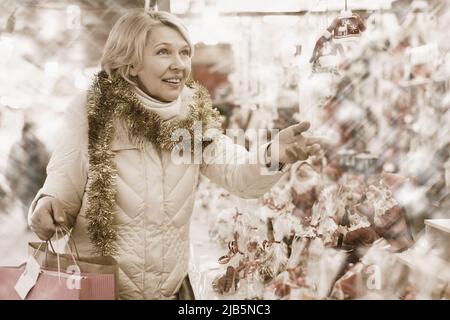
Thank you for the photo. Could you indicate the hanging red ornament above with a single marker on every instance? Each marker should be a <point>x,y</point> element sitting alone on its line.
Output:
<point>347,25</point>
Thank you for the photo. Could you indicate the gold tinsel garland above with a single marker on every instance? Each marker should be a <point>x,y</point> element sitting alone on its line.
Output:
<point>111,98</point>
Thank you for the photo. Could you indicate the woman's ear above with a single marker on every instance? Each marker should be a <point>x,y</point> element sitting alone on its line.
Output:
<point>133,71</point>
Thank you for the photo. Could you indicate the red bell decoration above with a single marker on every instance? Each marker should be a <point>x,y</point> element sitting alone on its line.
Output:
<point>346,26</point>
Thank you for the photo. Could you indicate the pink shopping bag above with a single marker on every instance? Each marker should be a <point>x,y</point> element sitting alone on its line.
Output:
<point>95,277</point>
<point>54,285</point>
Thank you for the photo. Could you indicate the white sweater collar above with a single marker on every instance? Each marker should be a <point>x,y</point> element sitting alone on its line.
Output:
<point>166,110</point>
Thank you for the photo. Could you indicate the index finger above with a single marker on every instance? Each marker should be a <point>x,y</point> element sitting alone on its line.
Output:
<point>301,127</point>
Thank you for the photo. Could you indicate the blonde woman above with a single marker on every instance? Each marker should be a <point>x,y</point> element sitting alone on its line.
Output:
<point>113,178</point>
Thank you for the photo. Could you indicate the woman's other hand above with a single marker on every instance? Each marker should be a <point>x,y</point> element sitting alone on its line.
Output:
<point>290,145</point>
<point>48,214</point>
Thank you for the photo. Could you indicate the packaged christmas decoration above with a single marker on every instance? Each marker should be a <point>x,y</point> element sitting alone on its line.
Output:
<point>289,284</point>
<point>274,260</point>
<point>227,283</point>
<point>211,198</point>
<point>350,285</point>
<point>310,273</point>
<point>324,218</point>
<point>325,56</point>
<point>223,228</point>
<point>322,268</point>
<point>277,201</point>
<point>305,184</point>
<point>251,266</point>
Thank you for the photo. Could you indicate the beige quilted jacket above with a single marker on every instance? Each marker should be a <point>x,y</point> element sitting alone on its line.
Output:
<point>154,202</point>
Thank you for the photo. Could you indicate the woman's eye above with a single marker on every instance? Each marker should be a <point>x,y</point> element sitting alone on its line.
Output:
<point>186,52</point>
<point>162,51</point>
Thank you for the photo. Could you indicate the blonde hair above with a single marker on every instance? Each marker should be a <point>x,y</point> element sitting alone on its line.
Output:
<point>128,38</point>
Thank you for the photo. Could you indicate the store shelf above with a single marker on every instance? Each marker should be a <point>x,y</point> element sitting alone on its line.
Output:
<point>439,224</point>
<point>438,234</point>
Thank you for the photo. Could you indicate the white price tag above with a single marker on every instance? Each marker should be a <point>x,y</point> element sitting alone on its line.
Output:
<point>28,278</point>
<point>424,54</point>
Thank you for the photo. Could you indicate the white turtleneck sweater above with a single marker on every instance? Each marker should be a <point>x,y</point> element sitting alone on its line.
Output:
<point>166,110</point>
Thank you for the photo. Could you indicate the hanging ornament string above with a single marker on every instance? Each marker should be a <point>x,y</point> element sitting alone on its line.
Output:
<point>151,5</point>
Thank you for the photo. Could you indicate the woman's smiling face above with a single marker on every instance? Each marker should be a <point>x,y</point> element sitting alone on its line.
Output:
<point>166,64</point>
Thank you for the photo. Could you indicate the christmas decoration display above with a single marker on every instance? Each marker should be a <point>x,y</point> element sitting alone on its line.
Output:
<point>342,224</point>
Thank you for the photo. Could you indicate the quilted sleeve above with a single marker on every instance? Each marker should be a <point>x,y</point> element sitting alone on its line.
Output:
<point>241,172</point>
<point>67,169</point>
